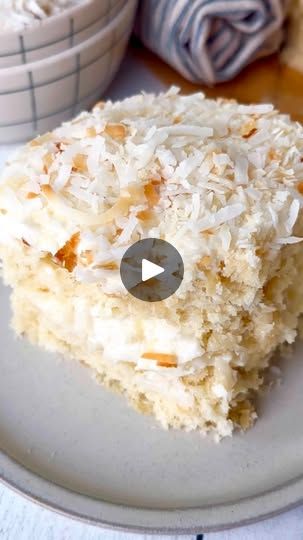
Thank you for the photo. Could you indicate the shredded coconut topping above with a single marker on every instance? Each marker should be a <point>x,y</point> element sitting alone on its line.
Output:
<point>127,171</point>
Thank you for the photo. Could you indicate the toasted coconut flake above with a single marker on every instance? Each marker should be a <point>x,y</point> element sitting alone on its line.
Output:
<point>109,265</point>
<point>31,195</point>
<point>162,359</point>
<point>135,192</point>
<point>250,133</point>
<point>47,190</point>
<point>67,255</point>
<point>300,187</point>
<point>47,161</point>
<point>116,131</point>
<point>91,132</point>
<point>248,128</point>
<point>152,193</point>
<point>119,209</point>
<point>261,252</point>
<point>80,163</point>
<point>273,155</point>
<point>60,146</point>
<point>204,262</point>
<point>177,119</point>
<point>87,256</point>
<point>145,215</point>
<point>207,232</point>
<point>118,232</point>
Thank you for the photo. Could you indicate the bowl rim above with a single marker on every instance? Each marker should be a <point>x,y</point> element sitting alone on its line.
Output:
<point>66,13</point>
<point>28,49</point>
<point>34,66</point>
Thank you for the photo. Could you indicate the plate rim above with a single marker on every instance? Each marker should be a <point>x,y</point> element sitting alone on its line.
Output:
<point>140,520</point>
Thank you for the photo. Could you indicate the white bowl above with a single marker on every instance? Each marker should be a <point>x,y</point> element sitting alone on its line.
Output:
<point>36,97</point>
<point>57,33</point>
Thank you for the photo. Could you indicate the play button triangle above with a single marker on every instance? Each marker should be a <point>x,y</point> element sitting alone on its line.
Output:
<point>150,270</point>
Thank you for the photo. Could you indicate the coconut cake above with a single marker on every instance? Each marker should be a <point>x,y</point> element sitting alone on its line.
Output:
<point>223,183</point>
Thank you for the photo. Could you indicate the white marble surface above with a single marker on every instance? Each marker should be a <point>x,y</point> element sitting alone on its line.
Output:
<point>21,519</point>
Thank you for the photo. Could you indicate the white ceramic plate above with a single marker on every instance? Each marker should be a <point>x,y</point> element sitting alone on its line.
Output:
<point>77,448</point>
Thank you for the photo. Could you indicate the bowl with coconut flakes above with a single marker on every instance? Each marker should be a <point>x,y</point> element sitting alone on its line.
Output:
<point>38,95</point>
<point>32,30</point>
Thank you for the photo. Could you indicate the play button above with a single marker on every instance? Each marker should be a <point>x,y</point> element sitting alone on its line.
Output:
<point>152,270</point>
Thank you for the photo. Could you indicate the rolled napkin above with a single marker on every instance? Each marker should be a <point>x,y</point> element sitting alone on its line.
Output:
<point>210,41</point>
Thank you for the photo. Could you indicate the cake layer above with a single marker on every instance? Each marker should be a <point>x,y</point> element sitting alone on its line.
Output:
<point>211,388</point>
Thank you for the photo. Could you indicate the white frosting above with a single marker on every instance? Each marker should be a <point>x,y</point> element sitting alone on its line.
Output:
<point>125,339</point>
<point>156,335</point>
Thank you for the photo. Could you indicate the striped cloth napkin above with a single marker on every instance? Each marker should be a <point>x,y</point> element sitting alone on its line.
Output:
<point>210,41</point>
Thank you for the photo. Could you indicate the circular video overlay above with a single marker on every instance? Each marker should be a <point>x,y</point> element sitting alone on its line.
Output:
<point>152,270</point>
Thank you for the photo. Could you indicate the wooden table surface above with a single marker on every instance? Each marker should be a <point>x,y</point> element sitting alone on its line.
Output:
<point>266,80</point>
